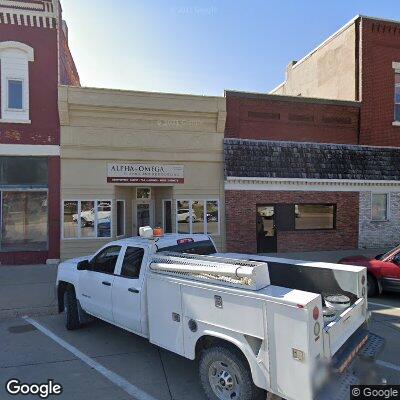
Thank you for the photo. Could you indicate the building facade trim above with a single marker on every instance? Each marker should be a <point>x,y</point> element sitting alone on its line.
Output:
<point>29,150</point>
<point>299,184</point>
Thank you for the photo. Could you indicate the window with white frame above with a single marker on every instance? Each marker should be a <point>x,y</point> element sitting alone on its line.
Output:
<point>379,206</point>
<point>197,216</point>
<point>120,217</point>
<point>15,58</point>
<point>87,219</point>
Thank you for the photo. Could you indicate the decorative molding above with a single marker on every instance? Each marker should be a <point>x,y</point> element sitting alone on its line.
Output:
<point>300,184</point>
<point>29,150</point>
<point>39,13</point>
<point>19,46</point>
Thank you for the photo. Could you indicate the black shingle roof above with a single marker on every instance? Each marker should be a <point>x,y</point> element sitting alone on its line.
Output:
<point>272,159</point>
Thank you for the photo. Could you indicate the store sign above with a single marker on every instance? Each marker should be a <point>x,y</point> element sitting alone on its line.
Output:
<point>144,173</point>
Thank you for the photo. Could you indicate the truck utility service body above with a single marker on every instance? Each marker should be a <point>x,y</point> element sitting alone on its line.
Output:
<point>267,310</point>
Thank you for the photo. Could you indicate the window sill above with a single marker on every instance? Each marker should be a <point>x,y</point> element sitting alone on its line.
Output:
<point>15,121</point>
<point>396,123</point>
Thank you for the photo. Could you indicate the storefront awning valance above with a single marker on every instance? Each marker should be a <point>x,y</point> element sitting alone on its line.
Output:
<point>273,159</point>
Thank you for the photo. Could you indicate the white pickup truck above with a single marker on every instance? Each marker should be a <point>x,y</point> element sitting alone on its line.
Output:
<point>256,324</point>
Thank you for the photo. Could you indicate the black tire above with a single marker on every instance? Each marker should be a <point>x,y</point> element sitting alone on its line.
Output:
<point>236,377</point>
<point>372,285</point>
<point>71,309</point>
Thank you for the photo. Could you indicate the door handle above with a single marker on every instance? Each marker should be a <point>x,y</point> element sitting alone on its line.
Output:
<point>105,283</point>
<point>133,290</point>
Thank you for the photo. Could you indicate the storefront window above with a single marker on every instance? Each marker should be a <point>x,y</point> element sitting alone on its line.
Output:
<point>25,224</point>
<point>70,219</point>
<point>379,207</point>
<point>315,216</point>
<point>104,218</point>
<point>397,97</point>
<point>120,217</point>
<point>183,216</point>
<point>32,171</point>
<point>212,217</point>
<point>86,219</point>
<point>198,216</point>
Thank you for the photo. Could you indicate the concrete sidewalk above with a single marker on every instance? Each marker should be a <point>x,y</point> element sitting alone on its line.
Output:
<point>30,289</point>
<point>27,290</point>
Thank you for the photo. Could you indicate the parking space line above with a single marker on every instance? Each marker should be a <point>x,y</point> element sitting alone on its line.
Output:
<point>388,365</point>
<point>117,380</point>
<point>383,305</point>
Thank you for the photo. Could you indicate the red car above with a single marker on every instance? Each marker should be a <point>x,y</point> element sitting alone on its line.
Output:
<point>383,270</point>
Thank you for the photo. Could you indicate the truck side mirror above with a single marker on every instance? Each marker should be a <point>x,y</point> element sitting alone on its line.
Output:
<point>83,265</point>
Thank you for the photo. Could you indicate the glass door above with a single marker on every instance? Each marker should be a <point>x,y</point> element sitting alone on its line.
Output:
<point>266,230</point>
<point>144,215</point>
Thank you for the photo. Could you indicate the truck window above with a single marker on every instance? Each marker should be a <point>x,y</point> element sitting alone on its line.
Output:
<point>202,247</point>
<point>132,262</point>
<point>105,261</point>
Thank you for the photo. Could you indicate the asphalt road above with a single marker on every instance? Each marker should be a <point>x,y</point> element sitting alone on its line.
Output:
<point>103,362</point>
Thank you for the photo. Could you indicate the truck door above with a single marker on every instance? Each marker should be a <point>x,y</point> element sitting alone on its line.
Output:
<point>126,291</point>
<point>95,284</point>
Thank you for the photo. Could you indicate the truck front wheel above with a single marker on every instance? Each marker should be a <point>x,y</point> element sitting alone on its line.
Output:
<point>71,309</point>
<point>225,375</point>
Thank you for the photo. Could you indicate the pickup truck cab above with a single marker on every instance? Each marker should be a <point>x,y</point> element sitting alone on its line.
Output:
<point>254,323</point>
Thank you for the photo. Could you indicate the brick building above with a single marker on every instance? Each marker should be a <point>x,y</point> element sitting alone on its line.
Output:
<point>339,188</point>
<point>34,59</point>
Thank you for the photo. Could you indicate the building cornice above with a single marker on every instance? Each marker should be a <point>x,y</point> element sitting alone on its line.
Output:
<point>303,184</point>
<point>40,13</point>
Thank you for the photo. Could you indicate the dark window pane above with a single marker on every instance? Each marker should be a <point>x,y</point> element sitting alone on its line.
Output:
<point>212,217</point>
<point>15,94</point>
<point>23,171</point>
<point>183,216</point>
<point>202,247</point>
<point>314,216</point>
<point>397,112</point>
<point>120,218</point>
<point>132,262</point>
<point>105,261</point>
<point>24,221</point>
<point>168,216</point>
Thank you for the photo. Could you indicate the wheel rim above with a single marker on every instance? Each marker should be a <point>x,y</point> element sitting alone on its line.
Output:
<point>224,380</point>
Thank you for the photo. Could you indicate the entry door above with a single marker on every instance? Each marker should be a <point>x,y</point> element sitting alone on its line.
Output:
<point>266,230</point>
<point>144,214</point>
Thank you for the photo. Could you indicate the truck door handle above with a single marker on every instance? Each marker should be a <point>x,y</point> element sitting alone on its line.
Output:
<point>133,290</point>
<point>105,283</point>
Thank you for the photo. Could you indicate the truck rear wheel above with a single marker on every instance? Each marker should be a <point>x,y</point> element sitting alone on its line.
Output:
<point>71,310</point>
<point>225,375</point>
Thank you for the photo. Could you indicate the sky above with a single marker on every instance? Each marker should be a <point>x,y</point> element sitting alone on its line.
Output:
<point>202,47</point>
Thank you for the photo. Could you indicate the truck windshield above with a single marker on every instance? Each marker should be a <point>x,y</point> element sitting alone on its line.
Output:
<point>202,247</point>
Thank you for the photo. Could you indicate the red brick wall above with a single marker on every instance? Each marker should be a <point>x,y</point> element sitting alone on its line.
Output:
<point>268,119</point>
<point>68,72</point>
<point>43,87</point>
<point>380,46</point>
<point>241,221</point>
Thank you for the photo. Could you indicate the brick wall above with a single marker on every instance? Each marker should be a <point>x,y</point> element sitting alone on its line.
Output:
<point>380,46</point>
<point>291,119</point>
<point>68,72</point>
<point>379,234</point>
<point>241,221</point>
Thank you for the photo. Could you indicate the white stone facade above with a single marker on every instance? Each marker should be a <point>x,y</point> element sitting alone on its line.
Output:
<point>379,234</point>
